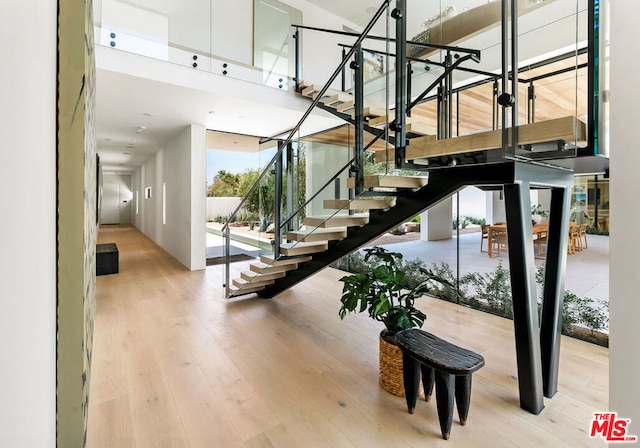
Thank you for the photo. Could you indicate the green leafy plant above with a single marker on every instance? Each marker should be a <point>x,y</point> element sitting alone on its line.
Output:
<point>380,292</point>
<point>537,210</point>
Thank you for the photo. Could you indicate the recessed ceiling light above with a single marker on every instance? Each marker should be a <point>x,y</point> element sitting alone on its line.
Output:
<point>107,139</point>
<point>212,112</point>
<point>127,153</point>
<point>240,116</point>
<point>145,114</point>
<point>129,146</point>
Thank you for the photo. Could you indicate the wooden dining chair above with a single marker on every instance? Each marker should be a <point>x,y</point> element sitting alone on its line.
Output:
<point>541,240</point>
<point>574,239</point>
<point>485,235</point>
<point>582,231</point>
<point>498,240</point>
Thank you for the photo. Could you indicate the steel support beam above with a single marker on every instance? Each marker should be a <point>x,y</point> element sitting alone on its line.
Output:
<point>553,289</point>
<point>277,236</point>
<point>523,289</point>
<point>290,191</point>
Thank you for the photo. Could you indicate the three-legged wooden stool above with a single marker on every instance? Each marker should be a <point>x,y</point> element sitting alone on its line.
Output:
<point>449,365</point>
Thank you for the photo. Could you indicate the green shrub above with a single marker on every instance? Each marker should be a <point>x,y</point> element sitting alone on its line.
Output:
<point>486,291</point>
<point>594,231</point>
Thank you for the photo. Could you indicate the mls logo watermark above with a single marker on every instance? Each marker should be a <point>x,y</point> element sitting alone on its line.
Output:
<point>611,428</point>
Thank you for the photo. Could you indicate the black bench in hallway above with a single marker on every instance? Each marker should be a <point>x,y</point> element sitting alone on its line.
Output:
<point>447,364</point>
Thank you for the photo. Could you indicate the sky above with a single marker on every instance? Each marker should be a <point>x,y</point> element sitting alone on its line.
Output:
<point>235,162</point>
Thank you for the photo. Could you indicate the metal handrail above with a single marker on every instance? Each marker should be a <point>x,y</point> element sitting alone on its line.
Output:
<point>315,102</point>
<point>409,42</point>
<point>296,128</point>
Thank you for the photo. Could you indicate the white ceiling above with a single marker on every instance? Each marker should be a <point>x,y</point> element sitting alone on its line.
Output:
<point>137,115</point>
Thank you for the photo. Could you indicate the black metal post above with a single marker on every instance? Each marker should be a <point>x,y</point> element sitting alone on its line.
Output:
<point>494,113</point>
<point>514,77</point>
<point>277,236</point>
<point>344,72</point>
<point>291,191</point>
<point>505,74</point>
<point>523,288</point>
<point>458,246</point>
<point>531,103</point>
<point>399,14</point>
<point>359,120</point>
<point>409,80</point>
<point>596,195</point>
<point>553,288</point>
<point>296,37</point>
<point>449,97</point>
<point>441,109</point>
<point>593,77</point>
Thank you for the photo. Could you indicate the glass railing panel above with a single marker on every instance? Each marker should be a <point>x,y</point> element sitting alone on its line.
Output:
<point>552,95</point>
<point>200,36</point>
<point>274,46</point>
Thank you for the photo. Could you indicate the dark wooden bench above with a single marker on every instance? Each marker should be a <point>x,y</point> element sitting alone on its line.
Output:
<point>449,365</point>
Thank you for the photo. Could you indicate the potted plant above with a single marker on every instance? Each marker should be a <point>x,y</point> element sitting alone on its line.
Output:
<point>537,213</point>
<point>380,292</point>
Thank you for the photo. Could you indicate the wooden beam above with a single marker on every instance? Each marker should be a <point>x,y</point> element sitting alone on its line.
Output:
<point>569,129</point>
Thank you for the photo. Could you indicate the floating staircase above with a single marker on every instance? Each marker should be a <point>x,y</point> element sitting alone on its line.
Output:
<point>313,241</point>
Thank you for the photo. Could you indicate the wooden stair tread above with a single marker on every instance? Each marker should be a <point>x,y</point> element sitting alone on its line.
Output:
<point>242,283</point>
<point>252,276</point>
<point>318,234</point>
<point>412,126</point>
<point>359,204</point>
<point>267,259</point>
<point>390,181</point>
<point>303,84</point>
<point>338,98</point>
<point>372,112</point>
<point>329,221</point>
<point>303,248</point>
<point>309,90</point>
<point>264,268</point>
<point>345,106</point>
<point>233,291</point>
<point>568,129</point>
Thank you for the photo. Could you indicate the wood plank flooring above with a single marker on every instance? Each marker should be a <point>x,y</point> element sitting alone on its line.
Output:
<point>175,365</point>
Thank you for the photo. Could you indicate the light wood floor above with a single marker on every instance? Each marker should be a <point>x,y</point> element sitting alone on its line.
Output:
<point>175,365</point>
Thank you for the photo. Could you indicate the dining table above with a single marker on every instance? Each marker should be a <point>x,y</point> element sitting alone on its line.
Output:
<point>538,230</point>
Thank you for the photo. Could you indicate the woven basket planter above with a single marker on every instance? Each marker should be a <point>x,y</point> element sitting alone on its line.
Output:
<point>390,365</point>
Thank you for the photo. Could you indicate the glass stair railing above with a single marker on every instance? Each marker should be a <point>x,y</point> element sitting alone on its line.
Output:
<point>324,193</point>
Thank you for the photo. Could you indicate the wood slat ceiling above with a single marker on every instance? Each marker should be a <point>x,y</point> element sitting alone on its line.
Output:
<point>557,96</point>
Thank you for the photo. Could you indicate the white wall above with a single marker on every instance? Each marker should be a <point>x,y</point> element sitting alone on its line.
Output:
<point>624,395</point>
<point>232,30</point>
<point>222,206</point>
<point>320,52</point>
<point>436,223</point>
<point>181,166</point>
<point>28,229</point>
<point>472,202</point>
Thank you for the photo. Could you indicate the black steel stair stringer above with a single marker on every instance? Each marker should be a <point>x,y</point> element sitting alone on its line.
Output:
<point>442,184</point>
